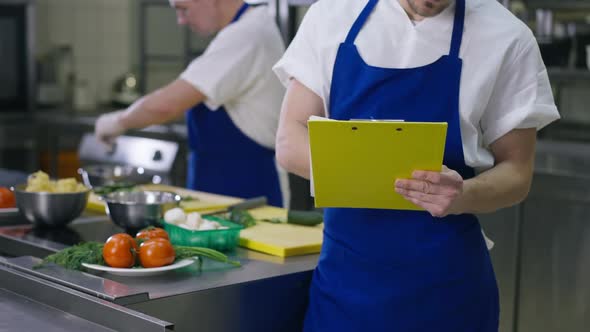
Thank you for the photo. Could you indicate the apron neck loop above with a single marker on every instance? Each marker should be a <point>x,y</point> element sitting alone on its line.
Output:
<point>458,25</point>
<point>458,28</point>
<point>240,12</point>
<point>360,21</point>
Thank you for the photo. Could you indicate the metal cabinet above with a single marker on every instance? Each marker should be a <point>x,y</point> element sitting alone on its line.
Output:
<point>555,271</point>
<point>543,245</point>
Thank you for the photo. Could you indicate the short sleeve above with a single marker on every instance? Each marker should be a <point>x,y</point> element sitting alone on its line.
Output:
<point>226,69</point>
<point>301,59</point>
<point>522,96</point>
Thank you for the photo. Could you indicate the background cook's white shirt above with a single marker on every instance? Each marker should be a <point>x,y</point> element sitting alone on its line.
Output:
<point>504,83</point>
<point>235,71</point>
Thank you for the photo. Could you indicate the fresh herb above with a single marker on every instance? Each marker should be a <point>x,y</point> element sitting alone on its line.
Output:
<point>91,253</point>
<point>242,217</point>
<point>183,252</point>
<point>111,188</point>
<point>189,198</point>
<point>73,257</point>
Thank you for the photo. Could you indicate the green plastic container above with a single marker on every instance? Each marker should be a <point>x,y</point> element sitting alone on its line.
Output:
<point>218,239</point>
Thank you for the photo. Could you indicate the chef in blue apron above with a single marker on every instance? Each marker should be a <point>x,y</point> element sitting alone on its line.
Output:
<point>469,63</point>
<point>230,97</point>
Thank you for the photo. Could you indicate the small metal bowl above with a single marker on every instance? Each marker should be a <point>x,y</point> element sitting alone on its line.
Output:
<point>101,175</point>
<point>50,209</point>
<point>139,209</point>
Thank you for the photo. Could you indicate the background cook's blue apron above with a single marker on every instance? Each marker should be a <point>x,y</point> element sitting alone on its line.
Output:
<point>226,161</point>
<point>392,270</point>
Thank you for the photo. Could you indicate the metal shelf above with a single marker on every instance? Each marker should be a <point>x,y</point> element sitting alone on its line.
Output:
<point>559,4</point>
<point>144,56</point>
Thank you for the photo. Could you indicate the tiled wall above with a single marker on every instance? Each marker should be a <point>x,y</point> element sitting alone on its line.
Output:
<point>101,33</point>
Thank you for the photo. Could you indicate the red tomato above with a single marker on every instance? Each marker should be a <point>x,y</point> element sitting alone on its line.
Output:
<point>152,233</point>
<point>119,251</point>
<point>130,238</point>
<point>156,252</point>
<point>7,199</point>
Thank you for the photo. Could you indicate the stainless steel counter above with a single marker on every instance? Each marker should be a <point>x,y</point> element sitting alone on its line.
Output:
<point>19,313</point>
<point>28,303</point>
<point>125,290</point>
<point>266,294</point>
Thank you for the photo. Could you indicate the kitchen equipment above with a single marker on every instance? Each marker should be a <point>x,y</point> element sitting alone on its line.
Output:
<point>201,202</point>
<point>50,209</point>
<point>281,240</point>
<point>100,175</point>
<point>125,90</point>
<point>244,205</point>
<point>56,76</point>
<point>136,210</point>
<point>83,97</point>
<point>132,159</point>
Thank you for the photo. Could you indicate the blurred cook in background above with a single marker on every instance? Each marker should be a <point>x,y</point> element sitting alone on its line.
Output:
<point>230,97</point>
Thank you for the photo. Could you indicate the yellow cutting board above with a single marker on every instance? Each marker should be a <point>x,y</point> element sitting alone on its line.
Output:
<point>281,240</point>
<point>205,202</point>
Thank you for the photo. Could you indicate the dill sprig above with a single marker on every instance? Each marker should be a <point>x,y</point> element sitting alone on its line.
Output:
<point>91,253</point>
<point>73,257</point>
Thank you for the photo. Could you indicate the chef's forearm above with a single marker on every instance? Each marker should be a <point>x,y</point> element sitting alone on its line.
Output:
<point>162,106</point>
<point>293,150</point>
<point>292,137</point>
<point>502,186</point>
<point>144,113</point>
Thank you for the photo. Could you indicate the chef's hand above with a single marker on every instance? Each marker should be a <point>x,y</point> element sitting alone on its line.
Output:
<point>436,192</point>
<point>108,127</point>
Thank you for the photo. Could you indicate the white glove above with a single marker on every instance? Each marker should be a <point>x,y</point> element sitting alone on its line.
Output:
<point>108,127</point>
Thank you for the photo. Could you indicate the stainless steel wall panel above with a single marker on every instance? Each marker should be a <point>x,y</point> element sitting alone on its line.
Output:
<point>555,274</point>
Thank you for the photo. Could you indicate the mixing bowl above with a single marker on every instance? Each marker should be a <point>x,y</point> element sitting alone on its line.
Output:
<point>138,209</point>
<point>50,209</point>
<point>100,175</point>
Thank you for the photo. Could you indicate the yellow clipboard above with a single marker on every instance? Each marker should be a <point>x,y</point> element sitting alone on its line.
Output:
<point>355,163</point>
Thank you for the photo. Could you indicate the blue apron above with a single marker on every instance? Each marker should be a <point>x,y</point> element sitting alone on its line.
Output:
<point>224,160</point>
<point>393,270</point>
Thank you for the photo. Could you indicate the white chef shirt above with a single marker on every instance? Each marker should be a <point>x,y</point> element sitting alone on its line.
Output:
<point>235,71</point>
<point>504,83</point>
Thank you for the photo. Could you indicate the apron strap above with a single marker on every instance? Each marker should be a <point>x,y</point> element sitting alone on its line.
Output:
<point>360,21</point>
<point>240,12</point>
<point>458,28</point>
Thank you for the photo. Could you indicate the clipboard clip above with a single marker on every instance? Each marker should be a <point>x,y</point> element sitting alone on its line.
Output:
<point>377,120</point>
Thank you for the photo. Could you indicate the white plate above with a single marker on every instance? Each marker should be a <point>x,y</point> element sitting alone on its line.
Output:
<point>140,272</point>
<point>8,210</point>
